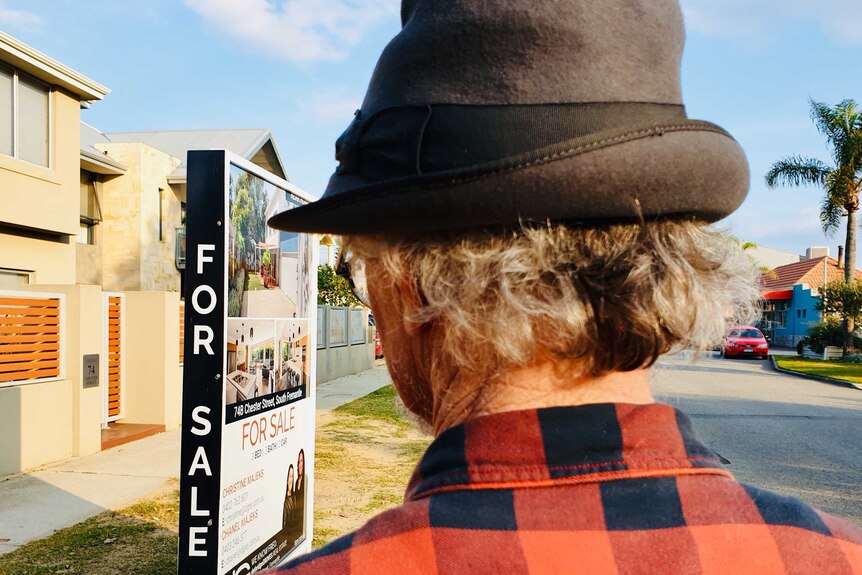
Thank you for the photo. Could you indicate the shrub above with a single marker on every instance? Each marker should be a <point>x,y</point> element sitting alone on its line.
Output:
<point>333,289</point>
<point>852,358</point>
<point>826,333</point>
<point>235,290</point>
<point>823,334</point>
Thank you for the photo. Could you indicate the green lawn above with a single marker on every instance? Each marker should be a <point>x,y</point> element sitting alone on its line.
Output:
<point>378,404</point>
<point>254,282</point>
<point>139,540</point>
<point>851,372</point>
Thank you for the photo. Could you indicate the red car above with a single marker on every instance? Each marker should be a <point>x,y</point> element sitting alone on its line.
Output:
<point>745,341</point>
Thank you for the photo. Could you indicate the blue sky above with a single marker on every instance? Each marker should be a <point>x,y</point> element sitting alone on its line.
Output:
<point>300,68</point>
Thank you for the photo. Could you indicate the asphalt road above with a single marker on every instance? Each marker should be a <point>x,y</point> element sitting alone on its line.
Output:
<point>791,435</point>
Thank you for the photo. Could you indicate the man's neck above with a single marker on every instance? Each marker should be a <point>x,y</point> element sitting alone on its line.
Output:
<point>537,387</point>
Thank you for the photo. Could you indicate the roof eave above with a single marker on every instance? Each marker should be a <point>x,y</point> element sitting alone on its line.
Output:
<point>260,143</point>
<point>24,57</point>
<point>101,164</point>
<point>267,137</point>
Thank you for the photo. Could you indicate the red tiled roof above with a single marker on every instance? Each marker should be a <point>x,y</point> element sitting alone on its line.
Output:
<point>808,272</point>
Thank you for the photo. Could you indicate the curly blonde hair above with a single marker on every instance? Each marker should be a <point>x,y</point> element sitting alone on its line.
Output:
<point>594,300</point>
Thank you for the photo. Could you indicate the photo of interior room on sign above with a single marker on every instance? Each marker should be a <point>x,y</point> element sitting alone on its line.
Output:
<point>251,359</point>
<point>294,355</point>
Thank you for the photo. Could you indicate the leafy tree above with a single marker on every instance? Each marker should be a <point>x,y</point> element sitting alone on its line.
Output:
<point>240,214</point>
<point>257,219</point>
<point>248,216</point>
<point>840,181</point>
<point>240,246</point>
<point>333,289</point>
<point>843,299</point>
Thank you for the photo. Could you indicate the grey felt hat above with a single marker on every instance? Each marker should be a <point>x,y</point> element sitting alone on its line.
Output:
<point>488,113</point>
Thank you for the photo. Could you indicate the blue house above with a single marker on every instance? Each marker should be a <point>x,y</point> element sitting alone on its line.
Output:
<point>790,294</point>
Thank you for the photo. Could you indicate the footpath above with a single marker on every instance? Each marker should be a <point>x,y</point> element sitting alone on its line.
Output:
<point>35,504</point>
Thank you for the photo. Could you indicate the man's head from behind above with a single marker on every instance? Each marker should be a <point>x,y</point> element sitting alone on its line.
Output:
<point>459,312</point>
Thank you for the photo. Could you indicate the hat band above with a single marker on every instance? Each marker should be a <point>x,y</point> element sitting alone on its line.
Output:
<point>416,140</point>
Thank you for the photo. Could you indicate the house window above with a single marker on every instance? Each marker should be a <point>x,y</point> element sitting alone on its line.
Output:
<point>25,118</point>
<point>775,313</point>
<point>288,242</point>
<point>161,215</point>
<point>804,313</point>
<point>180,248</point>
<point>7,83</point>
<point>91,212</point>
<point>87,234</point>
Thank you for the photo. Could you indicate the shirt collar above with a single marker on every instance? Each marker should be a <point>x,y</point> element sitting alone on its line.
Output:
<point>562,445</point>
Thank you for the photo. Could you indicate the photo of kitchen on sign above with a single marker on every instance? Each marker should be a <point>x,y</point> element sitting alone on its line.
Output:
<point>251,359</point>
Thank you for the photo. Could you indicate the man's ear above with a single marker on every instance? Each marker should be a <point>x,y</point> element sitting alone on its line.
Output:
<point>413,300</point>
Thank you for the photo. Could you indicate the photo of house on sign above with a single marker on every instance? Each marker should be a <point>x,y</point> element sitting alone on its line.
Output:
<point>266,267</point>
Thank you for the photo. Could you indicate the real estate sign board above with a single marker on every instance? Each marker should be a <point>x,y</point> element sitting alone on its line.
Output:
<point>247,463</point>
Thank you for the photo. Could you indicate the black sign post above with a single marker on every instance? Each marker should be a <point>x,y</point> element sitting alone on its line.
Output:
<point>203,369</point>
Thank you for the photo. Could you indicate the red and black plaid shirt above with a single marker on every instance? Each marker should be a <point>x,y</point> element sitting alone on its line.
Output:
<point>592,489</point>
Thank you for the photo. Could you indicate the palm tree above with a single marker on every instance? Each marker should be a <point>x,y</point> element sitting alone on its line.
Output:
<point>841,181</point>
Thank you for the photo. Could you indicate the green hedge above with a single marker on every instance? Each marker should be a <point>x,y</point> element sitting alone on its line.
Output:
<point>237,288</point>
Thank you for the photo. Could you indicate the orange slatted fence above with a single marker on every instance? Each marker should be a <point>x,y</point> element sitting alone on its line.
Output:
<point>29,338</point>
<point>115,346</point>
<point>182,330</point>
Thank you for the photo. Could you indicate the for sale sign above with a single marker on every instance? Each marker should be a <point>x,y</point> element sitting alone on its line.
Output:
<point>248,393</point>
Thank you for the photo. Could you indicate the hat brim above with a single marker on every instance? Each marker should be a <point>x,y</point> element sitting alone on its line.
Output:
<point>690,171</point>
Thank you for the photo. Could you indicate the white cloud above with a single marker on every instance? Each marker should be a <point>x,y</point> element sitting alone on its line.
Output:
<point>331,107</point>
<point>296,30</point>
<point>18,18</point>
<point>752,21</point>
